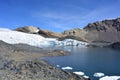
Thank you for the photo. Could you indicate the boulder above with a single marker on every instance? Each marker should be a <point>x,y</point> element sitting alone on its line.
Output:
<point>28,29</point>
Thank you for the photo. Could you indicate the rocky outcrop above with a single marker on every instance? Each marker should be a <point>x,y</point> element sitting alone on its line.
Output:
<point>28,29</point>
<point>77,34</point>
<point>49,34</point>
<point>35,30</point>
<point>103,31</point>
<point>106,31</point>
<point>115,45</point>
<point>23,62</point>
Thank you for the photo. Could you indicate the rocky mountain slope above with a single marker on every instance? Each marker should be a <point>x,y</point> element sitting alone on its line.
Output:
<point>34,30</point>
<point>23,62</point>
<point>101,32</point>
<point>106,31</point>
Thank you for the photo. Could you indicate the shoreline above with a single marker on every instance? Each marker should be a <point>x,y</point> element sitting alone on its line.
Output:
<point>23,62</point>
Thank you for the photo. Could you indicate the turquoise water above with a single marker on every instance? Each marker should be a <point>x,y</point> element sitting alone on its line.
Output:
<point>89,60</point>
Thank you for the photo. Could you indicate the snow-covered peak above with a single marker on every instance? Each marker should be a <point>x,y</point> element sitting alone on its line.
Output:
<point>4,30</point>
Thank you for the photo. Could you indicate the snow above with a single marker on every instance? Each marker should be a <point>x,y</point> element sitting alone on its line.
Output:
<point>79,73</point>
<point>110,78</point>
<point>15,37</point>
<point>64,68</point>
<point>99,74</point>
<point>4,30</point>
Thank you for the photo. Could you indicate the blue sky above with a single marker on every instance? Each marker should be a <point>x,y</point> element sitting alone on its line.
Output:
<point>56,15</point>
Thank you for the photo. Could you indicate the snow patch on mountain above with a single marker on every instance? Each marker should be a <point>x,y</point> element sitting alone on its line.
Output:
<point>15,37</point>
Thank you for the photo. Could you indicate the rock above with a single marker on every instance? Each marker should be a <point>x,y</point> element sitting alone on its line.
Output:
<point>49,34</point>
<point>115,45</point>
<point>35,30</point>
<point>102,31</point>
<point>22,62</point>
<point>77,34</point>
<point>28,29</point>
<point>105,32</point>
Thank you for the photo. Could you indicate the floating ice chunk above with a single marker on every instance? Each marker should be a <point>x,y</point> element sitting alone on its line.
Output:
<point>99,75</point>
<point>110,78</point>
<point>58,65</point>
<point>86,76</point>
<point>79,73</point>
<point>64,68</point>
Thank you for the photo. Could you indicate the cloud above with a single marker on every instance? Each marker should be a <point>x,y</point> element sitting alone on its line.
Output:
<point>70,19</point>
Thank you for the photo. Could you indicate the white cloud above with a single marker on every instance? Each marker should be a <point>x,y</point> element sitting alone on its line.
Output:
<point>69,20</point>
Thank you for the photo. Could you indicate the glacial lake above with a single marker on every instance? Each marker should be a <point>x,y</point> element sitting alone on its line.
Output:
<point>89,60</point>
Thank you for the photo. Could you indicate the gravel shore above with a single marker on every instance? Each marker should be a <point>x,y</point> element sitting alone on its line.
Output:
<point>22,62</point>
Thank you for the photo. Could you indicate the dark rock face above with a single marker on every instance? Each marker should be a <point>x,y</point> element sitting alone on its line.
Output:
<point>104,25</point>
<point>115,45</point>
<point>106,31</point>
<point>103,31</point>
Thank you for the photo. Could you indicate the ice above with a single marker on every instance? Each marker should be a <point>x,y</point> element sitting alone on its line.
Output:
<point>86,76</point>
<point>110,78</point>
<point>64,68</point>
<point>15,37</point>
<point>79,73</point>
<point>58,65</point>
<point>71,42</point>
<point>99,74</point>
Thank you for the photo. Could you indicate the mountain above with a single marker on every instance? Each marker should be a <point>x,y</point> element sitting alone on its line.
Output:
<point>35,30</point>
<point>103,31</point>
<point>106,31</point>
<point>28,29</point>
<point>17,37</point>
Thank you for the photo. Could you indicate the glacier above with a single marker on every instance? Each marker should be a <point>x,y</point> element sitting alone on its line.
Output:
<point>15,37</point>
<point>110,78</point>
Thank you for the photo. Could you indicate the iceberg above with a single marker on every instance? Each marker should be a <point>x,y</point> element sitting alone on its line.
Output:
<point>99,75</point>
<point>64,68</point>
<point>79,73</point>
<point>58,65</point>
<point>86,76</point>
<point>110,78</point>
